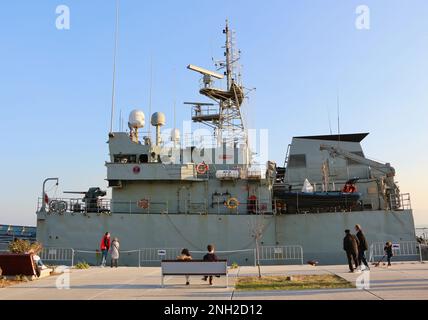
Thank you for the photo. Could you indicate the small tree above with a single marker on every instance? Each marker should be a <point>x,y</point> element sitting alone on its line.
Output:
<point>257,227</point>
<point>24,246</point>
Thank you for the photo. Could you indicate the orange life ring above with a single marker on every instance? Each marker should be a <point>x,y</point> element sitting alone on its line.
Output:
<point>202,168</point>
<point>232,203</point>
<point>143,204</point>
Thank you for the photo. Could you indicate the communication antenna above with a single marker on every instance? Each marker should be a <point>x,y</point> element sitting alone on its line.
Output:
<point>338,119</point>
<point>329,120</point>
<point>174,89</point>
<point>150,91</point>
<point>116,39</point>
<point>120,121</point>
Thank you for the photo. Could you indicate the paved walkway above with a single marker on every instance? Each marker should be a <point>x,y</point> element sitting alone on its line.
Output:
<point>402,281</point>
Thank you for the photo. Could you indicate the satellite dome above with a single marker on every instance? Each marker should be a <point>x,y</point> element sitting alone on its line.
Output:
<point>137,119</point>
<point>158,119</point>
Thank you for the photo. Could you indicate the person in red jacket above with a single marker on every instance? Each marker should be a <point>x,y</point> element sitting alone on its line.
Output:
<point>105,247</point>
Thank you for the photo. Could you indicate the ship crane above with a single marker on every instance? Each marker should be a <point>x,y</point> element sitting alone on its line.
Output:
<point>389,188</point>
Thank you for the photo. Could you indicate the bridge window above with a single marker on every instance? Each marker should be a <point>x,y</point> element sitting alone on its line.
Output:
<point>144,158</point>
<point>297,161</point>
<point>125,158</point>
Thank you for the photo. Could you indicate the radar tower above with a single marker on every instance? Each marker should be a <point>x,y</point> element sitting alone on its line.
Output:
<point>227,120</point>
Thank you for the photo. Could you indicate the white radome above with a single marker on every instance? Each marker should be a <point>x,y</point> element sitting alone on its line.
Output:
<point>158,119</point>
<point>137,119</point>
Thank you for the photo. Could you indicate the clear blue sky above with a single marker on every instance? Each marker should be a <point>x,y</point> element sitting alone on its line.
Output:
<point>56,85</point>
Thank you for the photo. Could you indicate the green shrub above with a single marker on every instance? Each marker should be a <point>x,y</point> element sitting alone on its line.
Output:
<point>234,266</point>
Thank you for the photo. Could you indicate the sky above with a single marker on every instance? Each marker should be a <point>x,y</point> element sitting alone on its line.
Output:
<point>300,56</point>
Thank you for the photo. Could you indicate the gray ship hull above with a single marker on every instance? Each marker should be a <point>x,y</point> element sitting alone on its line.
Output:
<point>320,235</point>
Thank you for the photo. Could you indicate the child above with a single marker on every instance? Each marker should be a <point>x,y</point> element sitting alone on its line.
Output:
<point>388,252</point>
<point>185,256</point>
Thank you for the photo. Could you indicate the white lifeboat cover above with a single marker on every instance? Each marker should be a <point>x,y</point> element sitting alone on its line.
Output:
<point>307,187</point>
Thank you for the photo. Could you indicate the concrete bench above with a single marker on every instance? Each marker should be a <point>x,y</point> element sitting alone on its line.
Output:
<point>15,264</point>
<point>193,268</point>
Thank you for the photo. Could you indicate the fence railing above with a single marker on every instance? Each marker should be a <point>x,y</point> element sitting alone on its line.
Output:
<point>154,256</point>
<point>402,251</point>
<point>57,255</point>
<point>146,206</point>
<point>276,254</point>
<point>405,202</point>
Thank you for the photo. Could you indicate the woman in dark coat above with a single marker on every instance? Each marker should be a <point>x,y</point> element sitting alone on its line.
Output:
<point>185,256</point>
<point>362,246</point>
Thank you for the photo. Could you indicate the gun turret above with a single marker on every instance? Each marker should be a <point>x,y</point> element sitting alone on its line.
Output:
<point>91,198</point>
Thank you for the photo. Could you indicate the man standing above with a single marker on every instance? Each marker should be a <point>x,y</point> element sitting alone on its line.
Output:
<point>350,245</point>
<point>105,247</point>
<point>362,247</point>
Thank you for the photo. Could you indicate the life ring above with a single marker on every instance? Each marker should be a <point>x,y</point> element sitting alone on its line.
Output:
<point>143,204</point>
<point>232,203</point>
<point>202,168</point>
<point>136,170</point>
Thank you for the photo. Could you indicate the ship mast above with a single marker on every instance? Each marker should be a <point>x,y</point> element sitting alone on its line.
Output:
<point>227,119</point>
<point>232,128</point>
<point>228,54</point>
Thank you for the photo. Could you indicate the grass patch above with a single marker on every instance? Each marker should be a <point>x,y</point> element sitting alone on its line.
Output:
<point>297,282</point>
<point>234,266</point>
<point>82,265</point>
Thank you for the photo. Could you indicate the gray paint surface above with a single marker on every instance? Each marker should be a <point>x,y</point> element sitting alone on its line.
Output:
<point>320,235</point>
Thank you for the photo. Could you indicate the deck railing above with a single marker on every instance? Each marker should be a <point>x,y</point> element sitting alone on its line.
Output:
<point>107,206</point>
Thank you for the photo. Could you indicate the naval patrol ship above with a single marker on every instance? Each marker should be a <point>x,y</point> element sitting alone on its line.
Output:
<point>186,191</point>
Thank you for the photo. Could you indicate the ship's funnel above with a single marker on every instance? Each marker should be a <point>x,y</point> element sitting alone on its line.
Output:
<point>158,120</point>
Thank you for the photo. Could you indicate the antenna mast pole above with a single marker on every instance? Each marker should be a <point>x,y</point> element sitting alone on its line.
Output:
<point>228,55</point>
<point>113,95</point>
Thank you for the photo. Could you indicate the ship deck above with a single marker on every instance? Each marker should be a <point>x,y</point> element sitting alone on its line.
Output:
<point>402,281</point>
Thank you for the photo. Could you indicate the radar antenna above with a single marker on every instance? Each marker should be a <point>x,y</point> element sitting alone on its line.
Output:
<point>228,119</point>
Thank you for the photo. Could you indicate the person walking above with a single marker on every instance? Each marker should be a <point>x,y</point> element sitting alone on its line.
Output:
<point>185,256</point>
<point>388,252</point>
<point>362,247</point>
<point>350,245</point>
<point>105,247</point>
<point>114,252</point>
<point>211,257</point>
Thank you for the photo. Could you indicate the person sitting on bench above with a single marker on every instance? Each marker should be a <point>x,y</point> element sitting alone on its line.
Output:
<point>185,256</point>
<point>211,257</point>
<point>37,262</point>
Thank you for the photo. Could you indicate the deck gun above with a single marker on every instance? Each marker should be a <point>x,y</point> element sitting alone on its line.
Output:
<point>91,199</point>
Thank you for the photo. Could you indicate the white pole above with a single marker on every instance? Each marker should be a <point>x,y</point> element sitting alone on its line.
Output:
<point>113,95</point>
